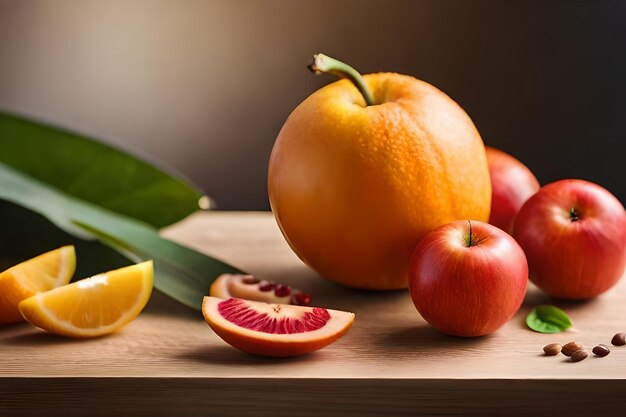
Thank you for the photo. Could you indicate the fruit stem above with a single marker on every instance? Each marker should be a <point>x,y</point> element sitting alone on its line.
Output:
<point>573,215</point>
<point>323,63</point>
<point>468,239</point>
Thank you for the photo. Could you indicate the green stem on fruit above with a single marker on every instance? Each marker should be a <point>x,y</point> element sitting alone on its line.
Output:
<point>468,239</point>
<point>325,64</point>
<point>573,215</point>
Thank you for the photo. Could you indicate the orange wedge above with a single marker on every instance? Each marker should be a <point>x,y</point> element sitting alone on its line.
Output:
<point>43,273</point>
<point>94,306</point>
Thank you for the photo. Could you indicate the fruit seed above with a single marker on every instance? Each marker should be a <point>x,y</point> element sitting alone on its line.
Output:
<point>571,347</point>
<point>601,351</point>
<point>552,349</point>
<point>619,339</point>
<point>301,299</point>
<point>250,280</point>
<point>282,290</point>
<point>579,355</point>
<point>266,286</point>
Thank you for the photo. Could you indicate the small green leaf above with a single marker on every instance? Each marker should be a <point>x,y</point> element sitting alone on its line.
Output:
<point>548,319</point>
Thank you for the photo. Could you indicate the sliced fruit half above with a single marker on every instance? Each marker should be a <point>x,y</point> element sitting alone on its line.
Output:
<point>249,287</point>
<point>93,306</point>
<point>274,329</point>
<point>42,273</point>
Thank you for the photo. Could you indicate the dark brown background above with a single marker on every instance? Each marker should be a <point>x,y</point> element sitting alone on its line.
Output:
<point>206,85</point>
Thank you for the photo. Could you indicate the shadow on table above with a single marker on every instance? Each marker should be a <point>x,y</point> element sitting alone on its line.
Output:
<point>162,305</point>
<point>425,338</point>
<point>25,335</point>
<point>535,297</point>
<point>227,355</point>
<point>35,338</point>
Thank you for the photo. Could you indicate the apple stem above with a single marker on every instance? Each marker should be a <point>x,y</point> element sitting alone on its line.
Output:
<point>325,64</point>
<point>573,215</point>
<point>469,238</point>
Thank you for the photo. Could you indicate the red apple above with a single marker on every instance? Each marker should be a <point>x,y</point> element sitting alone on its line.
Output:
<point>468,278</point>
<point>512,183</point>
<point>574,235</point>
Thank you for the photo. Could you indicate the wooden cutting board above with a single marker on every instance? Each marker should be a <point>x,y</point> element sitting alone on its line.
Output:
<point>169,362</point>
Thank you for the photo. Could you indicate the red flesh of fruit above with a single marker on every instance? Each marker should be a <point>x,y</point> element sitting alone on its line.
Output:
<point>274,329</point>
<point>238,312</point>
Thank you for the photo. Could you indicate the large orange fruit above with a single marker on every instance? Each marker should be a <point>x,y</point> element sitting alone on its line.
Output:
<point>354,187</point>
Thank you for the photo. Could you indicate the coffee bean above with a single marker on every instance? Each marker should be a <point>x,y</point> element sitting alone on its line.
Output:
<point>552,349</point>
<point>579,355</point>
<point>601,351</point>
<point>619,339</point>
<point>571,347</point>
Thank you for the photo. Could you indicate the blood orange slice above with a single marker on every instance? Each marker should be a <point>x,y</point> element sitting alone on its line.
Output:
<point>274,329</point>
<point>250,287</point>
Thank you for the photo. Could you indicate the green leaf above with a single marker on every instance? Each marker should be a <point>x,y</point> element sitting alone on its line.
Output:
<point>180,272</point>
<point>24,234</point>
<point>548,319</point>
<point>95,172</point>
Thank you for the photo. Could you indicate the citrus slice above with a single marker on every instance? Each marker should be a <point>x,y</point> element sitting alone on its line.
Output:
<point>42,273</point>
<point>250,287</point>
<point>93,306</point>
<point>274,329</point>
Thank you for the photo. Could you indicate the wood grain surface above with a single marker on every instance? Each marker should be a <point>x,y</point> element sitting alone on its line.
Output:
<point>168,361</point>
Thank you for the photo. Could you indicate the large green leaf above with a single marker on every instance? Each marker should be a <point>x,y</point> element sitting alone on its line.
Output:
<point>24,234</point>
<point>95,172</point>
<point>182,273</point>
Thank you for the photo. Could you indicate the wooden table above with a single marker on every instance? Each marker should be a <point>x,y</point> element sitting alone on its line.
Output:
<point>169,362</point>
